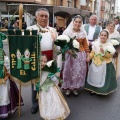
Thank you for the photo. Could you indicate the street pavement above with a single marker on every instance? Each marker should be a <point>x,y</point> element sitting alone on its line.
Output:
<point>82,107</point>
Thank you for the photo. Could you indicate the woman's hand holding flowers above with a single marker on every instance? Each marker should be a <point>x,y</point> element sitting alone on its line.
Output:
<point>70,52</point>
<point>102,50</point>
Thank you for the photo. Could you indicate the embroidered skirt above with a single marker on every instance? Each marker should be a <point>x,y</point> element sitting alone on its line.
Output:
<point>12,106</point>
<point>74,71</point>
<point>52,104</point>
<point>110,82</point>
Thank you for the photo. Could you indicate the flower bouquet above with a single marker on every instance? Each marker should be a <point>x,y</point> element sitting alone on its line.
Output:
<point>116,44</point>
<point>111,50</point>
<point>74,46</point>
<point>66,43</point>
<point>62,41</point>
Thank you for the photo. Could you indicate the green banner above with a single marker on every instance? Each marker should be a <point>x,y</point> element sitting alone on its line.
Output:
<point>24,56</point>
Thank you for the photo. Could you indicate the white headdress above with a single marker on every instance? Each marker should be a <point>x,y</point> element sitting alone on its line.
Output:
<point>97,44</point>
<point>69,30</point>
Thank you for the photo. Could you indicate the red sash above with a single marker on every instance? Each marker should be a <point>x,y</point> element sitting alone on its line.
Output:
<point>49,54</point>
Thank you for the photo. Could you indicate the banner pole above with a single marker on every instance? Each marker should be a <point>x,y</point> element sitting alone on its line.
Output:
<point>19,109</point>
<point>20,27</point>
<point>20,15</point>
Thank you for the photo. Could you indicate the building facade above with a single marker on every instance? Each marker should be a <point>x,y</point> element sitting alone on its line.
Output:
<point>61,11</point>
<point>117,8</point>
<point>105,9</point>
<point>112,10</point>
<point>97,9</point>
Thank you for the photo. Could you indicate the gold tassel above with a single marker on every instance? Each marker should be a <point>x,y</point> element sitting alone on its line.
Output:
<point>2,81</point>
<point>37,96</point>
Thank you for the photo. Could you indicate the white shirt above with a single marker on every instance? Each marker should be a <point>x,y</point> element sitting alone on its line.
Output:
<point>91,32</point>
<point>46,41</point>
<point>116,26</point>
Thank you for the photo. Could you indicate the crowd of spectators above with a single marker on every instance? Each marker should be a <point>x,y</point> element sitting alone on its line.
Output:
<point>14,24</point>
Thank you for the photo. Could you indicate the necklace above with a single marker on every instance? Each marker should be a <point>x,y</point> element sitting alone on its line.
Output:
<point>76,30</point>
<point>40,30</point>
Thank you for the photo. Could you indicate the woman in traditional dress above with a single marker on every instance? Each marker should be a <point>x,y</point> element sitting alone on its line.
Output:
<point>114,35</point>
<point>9,94</point>
<point>74,71</point>
<point>51,101</point>
<point>101,77</point>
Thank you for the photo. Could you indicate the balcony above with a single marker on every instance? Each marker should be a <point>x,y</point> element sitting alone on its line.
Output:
<point>113,5</point>
<point>3,6</point>
<point>111,12</point>
<point>106,10</point>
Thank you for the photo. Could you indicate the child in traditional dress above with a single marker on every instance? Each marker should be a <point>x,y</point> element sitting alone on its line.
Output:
<point>9,95</point>
<point>101,77</point>
<point>51,101</point>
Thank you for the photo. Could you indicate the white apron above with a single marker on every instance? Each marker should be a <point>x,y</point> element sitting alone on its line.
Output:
<point>96,75</point>
<point>46,41</point>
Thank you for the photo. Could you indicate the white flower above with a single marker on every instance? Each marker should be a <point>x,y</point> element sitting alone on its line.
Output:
<point>111,49</point>
<point>49,63</point>
<point>114,42</point>
<point>63,37</point>
<point>76,44</point>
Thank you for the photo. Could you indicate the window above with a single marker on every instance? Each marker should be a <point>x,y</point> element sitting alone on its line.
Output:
<point>74,3</point>
<point>61,2</point>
